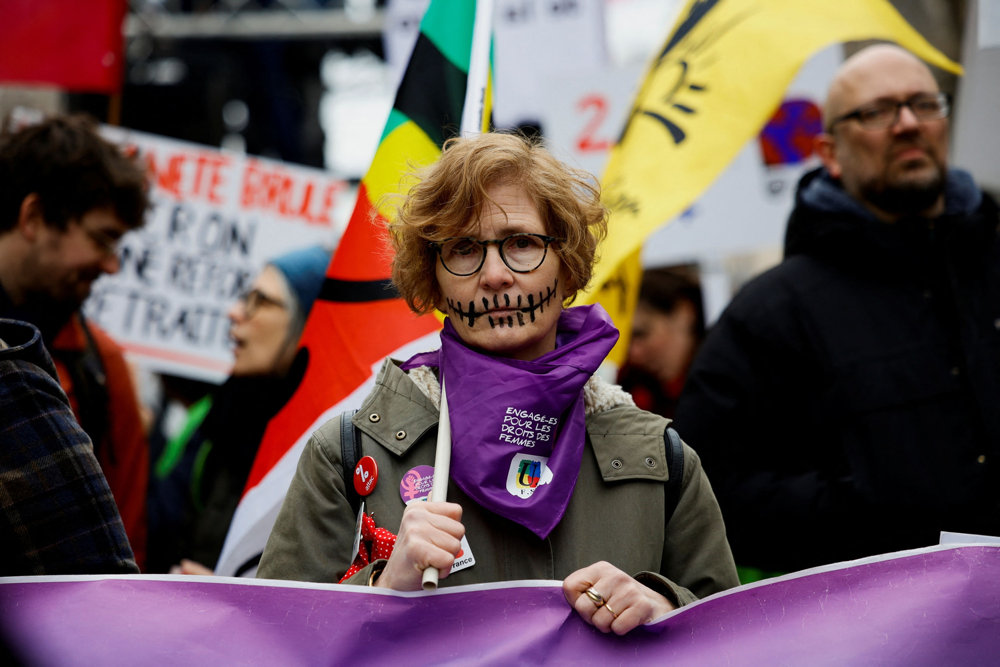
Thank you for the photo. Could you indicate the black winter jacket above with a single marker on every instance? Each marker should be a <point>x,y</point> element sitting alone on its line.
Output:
<point>847,402</point>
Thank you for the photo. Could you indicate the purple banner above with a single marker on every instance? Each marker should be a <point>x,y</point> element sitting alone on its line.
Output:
<point>933,606</point>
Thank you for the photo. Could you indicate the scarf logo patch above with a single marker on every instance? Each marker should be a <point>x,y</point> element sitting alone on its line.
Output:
<point>526,474</point>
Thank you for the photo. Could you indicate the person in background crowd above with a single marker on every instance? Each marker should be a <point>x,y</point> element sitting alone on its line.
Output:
<point>57,514</point>
<point>68,197</point>
<point>199,478</point>
<point>500,236</point>
<point>845,403</point>
<point>667,328</point>
<point>168,400</point>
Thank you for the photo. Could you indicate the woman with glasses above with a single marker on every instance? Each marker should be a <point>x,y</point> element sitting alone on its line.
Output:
<point>554,473</point>
<point>197,481</point>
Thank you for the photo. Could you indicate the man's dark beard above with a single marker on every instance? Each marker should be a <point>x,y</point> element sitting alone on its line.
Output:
<point>908,199</point>
<point>48,314</point>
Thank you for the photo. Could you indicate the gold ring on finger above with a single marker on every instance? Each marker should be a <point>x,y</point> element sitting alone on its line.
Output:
<point>613,612</point>
<point>595,597</point>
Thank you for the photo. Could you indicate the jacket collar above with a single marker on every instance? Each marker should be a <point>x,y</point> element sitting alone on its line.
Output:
<point>23,341</point>
<point>827,223</point>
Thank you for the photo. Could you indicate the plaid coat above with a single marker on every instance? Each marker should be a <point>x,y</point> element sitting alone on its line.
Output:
<point>57,514</point>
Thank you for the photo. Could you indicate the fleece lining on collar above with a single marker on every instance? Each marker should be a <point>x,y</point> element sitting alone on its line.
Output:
<point>598,395</point>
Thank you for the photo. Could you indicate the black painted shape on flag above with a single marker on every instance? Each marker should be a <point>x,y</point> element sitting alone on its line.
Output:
<point>695,15</point>
<point>357,291</point>
<point>432,92</point>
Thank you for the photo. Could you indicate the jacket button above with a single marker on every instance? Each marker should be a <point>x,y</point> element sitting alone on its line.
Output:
<point>400,435</point>
<point>650,462</point>
<point>374,418</point>
<point>617,464</point>
<point>955,372</point>
<point>982,458</point>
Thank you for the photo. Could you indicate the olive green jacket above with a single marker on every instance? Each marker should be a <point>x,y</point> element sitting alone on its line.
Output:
<point>616,513</point>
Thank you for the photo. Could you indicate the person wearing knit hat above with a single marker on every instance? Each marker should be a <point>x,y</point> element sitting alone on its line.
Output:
<point>197,482</point>
<point>304,269</point>
<point>267,321</point>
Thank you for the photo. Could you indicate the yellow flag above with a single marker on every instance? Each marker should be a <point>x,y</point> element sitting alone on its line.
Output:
<point>709,90</point>
<point>618,294</point>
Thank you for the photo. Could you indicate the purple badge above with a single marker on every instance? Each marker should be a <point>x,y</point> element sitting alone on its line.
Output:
<point>416,484</point>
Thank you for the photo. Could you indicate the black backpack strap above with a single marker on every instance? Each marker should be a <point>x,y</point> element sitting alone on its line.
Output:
<point>350,452</point>
<point>675,469</point>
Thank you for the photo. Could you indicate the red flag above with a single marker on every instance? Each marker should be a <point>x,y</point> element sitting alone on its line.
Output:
<point>72,44</point>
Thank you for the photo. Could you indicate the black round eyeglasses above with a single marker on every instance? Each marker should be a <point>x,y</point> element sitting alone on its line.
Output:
<point>521,252</point>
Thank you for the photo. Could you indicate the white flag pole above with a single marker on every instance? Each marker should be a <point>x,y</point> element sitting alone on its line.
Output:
<point>442,466</point>
<point>474,120</point>
<point>474,111</point>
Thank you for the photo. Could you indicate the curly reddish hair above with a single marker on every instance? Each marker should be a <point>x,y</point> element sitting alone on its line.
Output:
<point>450,195</point>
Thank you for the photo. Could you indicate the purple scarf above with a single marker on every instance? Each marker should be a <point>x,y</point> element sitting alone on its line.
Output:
<point>518,427</point>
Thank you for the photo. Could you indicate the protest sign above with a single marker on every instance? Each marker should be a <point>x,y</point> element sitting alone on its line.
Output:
<point>932,606</point>
<point>216,218</point>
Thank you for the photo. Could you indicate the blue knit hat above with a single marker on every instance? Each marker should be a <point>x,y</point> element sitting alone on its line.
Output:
<point>305,270</point>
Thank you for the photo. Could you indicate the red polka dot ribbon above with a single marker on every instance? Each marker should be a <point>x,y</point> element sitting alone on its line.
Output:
<point>376,544</point>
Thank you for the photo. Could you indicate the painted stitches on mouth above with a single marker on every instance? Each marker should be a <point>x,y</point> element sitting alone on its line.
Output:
<point>524,308</point>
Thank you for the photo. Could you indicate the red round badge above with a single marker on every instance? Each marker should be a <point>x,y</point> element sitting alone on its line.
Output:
<point>365,476</point>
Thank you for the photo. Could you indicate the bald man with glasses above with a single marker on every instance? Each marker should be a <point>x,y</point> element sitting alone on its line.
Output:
<point>846,402</point>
